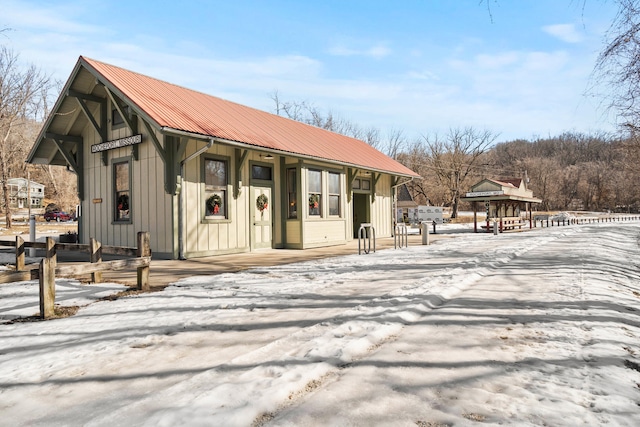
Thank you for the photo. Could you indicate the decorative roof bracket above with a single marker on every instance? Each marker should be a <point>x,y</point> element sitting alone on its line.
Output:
<point>74,161</point>
<point>376,178</point>
<point>240,160</point>
<point>130,118</point>
<point>351,176</point>
<point>101,128</point>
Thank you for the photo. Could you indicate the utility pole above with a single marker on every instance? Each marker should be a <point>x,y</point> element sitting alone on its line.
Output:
<point>29,191</point>
<point>32,218</point>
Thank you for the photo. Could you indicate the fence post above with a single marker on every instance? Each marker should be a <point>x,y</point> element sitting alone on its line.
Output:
<point>48,280</point>
<point>143,251</point>
<point>95,250</point>
<point>19,253</point>
<point>32,234</point>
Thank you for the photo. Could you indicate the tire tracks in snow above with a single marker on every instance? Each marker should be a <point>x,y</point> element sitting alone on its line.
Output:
<point>448,287</point>
<point>293,366</point>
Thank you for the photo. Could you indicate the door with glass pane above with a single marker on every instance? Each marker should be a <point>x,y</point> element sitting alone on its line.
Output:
<point>261,208</point>
<point>261,235</point>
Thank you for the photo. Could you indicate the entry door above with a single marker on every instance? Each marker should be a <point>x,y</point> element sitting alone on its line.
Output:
<point>261,228</point>
<point>360,211</point>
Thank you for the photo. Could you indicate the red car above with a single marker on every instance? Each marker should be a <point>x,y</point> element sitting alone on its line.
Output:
<point>57,216</point>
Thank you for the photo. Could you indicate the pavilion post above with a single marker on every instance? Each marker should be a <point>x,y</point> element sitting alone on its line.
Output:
<point>475,216</point>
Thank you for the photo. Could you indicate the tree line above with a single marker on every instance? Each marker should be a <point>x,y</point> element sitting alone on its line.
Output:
<point>24,92</point>
<point>571,171</point>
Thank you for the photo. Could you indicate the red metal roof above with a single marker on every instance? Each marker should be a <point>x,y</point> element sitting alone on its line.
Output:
<point>508,182</point>
<point>182,109</point>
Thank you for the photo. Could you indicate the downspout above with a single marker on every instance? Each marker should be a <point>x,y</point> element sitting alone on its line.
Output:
<point>180,198</point>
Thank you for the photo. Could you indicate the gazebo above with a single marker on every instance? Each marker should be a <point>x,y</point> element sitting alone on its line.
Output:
<point>503,201</point>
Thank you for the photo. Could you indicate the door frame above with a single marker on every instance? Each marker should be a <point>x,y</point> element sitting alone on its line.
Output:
<point>364,199</point>
<point>260,183</point>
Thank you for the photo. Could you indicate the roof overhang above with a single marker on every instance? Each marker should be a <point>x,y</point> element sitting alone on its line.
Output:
<point>57,144</point>
<point>49,147</point>
<point>499,198</point>
<point>244,145</point>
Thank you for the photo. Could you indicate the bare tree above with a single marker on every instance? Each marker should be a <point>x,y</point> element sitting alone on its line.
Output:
<point>415,157</point>
<point>306,112</point>
<point>454,157</point>
<point>618,66</point>
<point>21,91</point>
<point>396,141</point>
<point>574,170</point>
<point>543,174</point>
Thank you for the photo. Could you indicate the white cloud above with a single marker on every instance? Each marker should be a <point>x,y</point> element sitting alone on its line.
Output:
<point>565,32</point>
<point>500,60</point>
<point>422,75</point>
<point>378,51</point>
<point>57,18</point>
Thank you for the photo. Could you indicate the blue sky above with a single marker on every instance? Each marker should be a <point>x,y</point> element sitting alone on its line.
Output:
<point>520,70</point>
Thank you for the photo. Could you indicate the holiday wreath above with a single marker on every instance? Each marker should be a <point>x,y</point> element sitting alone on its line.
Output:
<point>262,202</point>
<point>313,201</point>
<point>123,202</point>
<point>213,204</point>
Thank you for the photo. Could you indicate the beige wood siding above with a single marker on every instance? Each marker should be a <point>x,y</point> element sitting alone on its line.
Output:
<point>211,237</point>
<point>381,208</point>
<point>294,236</point>
<point>487,186</point>
<point>324,232</point>
<point>157,212</point>
<point>276,204</point>
<point>150,209</point>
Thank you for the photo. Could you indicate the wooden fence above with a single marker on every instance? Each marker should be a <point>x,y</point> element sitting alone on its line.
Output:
<point>48,268</point>
<point>547,222</point>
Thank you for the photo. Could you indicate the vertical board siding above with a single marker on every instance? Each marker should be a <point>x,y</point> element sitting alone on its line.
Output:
<point>276,197</point>
<point>209,237</point>
<point>381,209</point>
<point>156,211</point>
<point>487,186</point>
<point>294,235</point>
<point>329,232</point>
<point>150,205</point>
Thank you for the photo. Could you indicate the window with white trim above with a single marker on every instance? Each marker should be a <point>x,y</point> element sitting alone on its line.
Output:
<point>215,188</point>
<point>122,191</point>
<point>315,192</point>
<point>263,173</point>
<point>334,194</point>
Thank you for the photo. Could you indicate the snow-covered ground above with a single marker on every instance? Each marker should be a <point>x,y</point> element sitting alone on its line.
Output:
<point>535,328</point>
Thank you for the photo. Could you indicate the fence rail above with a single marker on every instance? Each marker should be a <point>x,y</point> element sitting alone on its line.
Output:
<point>558,222</point>
<point>48,268</point>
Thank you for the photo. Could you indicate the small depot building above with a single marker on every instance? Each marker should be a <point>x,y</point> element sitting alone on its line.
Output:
<point>502,201</point>
<point>205,176</point>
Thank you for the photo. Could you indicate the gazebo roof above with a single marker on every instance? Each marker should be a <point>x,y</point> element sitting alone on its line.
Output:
<point>504,189</point>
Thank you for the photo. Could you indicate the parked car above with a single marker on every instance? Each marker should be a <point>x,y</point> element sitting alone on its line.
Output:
<point>562,216</point>
<point>57,216</point>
